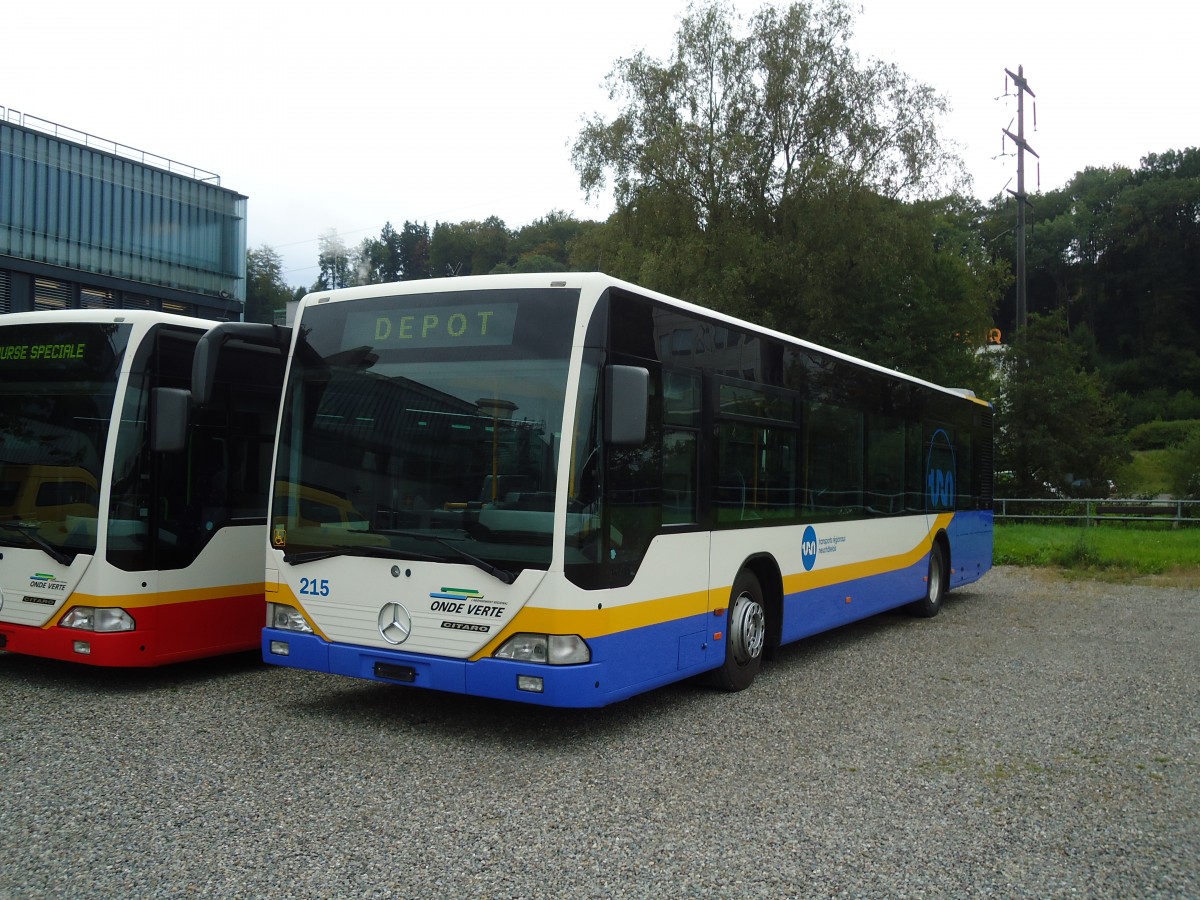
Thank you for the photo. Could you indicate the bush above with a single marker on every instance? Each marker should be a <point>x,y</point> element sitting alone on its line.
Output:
<point>1157,403</point>
<point>1159,435</point>
<point>1183,466</point>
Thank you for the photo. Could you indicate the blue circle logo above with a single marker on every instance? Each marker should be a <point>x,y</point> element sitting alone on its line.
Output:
<point>939,472</point>
<point>808,548</point>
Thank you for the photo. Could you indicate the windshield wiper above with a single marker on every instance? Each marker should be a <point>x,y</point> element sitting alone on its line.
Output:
<point>297,559</point>
<point>40,542</point>
<point>495,571</point>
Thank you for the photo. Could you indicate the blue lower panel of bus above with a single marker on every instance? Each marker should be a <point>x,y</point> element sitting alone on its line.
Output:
<point>971,546</point>
<point>625,664</point>
<point>819,609</point>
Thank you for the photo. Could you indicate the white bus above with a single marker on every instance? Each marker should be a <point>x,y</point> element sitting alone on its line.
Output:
<point>113,550</point>
<point>565,489</point>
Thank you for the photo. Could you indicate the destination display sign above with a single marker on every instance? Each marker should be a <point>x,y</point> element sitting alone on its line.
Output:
<point>432,327</point>
<point>66,350</point>
<point>18,352</point>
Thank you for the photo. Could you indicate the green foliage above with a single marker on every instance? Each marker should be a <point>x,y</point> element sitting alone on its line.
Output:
<point>1057,429</point>
<point>1144,475</point>
<point>379,259</point>
<point>1159,435</point>
<point>265,288</point>
<point>760,170</point>
<point>734,124</point>
<point>393,256</point>
<point>468,248</point>
<point>333,262</point>
<point>1183,466</point>
<point>906,285</point>
<point>1120,250</point>
<point>530,262</point>
<point>414,251</point>
<point>545,244</point>
<point>1158,403</point>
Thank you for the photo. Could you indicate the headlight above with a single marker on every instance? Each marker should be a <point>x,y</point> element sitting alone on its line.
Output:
<point>287,618</point>
<point>98,618</point>
<point>555,649</point>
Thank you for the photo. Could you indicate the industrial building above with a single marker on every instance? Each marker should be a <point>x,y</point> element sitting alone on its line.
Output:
<point>86,222</point>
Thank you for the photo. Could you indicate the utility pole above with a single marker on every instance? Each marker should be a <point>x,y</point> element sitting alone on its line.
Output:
<point>1019,193</point>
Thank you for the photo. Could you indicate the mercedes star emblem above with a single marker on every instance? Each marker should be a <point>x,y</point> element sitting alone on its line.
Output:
<point>395,624</point>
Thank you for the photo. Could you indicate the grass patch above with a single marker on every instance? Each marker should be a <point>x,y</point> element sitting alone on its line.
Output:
<point>1145,475</point>
<point>1105,548</point>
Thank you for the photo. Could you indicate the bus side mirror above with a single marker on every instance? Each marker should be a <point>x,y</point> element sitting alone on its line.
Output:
<point>627,403</point>
<point>169,415</point>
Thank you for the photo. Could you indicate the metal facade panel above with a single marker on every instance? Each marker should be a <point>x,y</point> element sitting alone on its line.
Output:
<point>81,208</point>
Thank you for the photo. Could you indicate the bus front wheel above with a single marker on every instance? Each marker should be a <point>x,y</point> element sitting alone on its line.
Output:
<point>746,635</point>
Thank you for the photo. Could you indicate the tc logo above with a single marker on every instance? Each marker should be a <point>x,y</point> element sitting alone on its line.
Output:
<point>808,548</point>
<point>939,472</point>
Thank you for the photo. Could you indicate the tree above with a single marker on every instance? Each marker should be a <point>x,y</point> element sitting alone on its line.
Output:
<point>451,248</point>
<point>413,251</point>
<point>376,260</point>
<point>266,291</point>
<point>388,265</point>
<point>766,172</point>
<point>334,262</point>
<point>734,125</point>
<point>1057,430</point>
<point>468,248</point>
<point>363,262</point>
<point>1119,250</point>
<point>545,244</point>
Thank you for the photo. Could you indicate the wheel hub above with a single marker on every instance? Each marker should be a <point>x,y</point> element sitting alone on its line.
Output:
<point>747,629</point>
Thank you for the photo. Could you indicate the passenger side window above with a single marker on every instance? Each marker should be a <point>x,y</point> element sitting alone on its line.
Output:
<point>681,424</point>
<point>884,465</point>
<point>833,483</point>
<point>757,446</point>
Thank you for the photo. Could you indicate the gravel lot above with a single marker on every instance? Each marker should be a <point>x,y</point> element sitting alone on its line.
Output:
<point>1039,738</point>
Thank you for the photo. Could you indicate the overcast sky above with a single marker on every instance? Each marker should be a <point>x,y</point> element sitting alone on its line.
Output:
<point>346,116</point>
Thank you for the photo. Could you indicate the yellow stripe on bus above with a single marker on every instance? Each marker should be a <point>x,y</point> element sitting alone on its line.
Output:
<point>591,623</point>
<point>806,581</point>
<point>602,622</point>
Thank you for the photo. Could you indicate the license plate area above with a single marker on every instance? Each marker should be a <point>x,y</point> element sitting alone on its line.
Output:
<point>395,672</point>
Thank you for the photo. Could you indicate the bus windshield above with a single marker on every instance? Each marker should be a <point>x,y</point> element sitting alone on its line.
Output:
<point>426,426</point>
<point>57,385</point>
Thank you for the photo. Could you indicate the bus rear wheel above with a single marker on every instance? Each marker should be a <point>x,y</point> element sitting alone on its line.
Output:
<point>746,635</point>
<point>935,585</point>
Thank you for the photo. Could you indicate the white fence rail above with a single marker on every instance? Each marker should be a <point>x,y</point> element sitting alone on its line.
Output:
<point>1087,513</point>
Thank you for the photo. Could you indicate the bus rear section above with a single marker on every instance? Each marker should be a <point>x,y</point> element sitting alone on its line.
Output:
<point>566,490</point>
<point>113,552</point>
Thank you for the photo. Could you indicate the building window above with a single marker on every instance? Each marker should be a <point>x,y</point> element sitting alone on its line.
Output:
<point>49,294</point>
<point>94,298</point>
<point>179,309</point>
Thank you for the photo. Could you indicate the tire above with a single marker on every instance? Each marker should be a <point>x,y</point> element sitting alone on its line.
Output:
<point>745,635</point>
<point>935,585</point>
